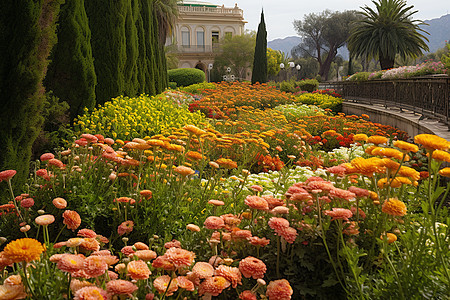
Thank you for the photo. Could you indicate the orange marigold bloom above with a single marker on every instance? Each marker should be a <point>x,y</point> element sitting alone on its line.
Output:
<point>252,267</point>
<point>389,163</point>
<point>184,171</point>
<point>155,143</point>
<point>72,219</point>
<point>138,269</point>
<point>390,237</point>
<point>279,290</point>
<point>406,147</point>
<point>394,207</point>
<point>389,152</point>
<point>366,166</point>
<point>441,156</point>
<point>25,249</point>
<point>377,139</point>
<point>369,149</point>
<point>194,129</point>
<point>256,202</point>
<point>409,172</point>
<point>194,155</point>
<point>360,137</point>
<point>444,172</point>
<point>431,142</point>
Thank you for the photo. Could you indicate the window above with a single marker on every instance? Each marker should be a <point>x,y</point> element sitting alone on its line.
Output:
<point>185,37</point>
<point>200,38</point>
<point>215,37</point>
<point>228,35</point>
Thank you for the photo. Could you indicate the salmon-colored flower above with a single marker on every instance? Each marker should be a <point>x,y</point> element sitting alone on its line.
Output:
<point>12,292</point>
<point>279,290</point>
<point>72,219</point>
<point>95,266</point>
<point>147,194</point>
<point>247,295</point>
<point>76,284</point>
<point>173,243</point>
<point>359,192</point>
<point>278,223</point>
<point>213,222</point>
<point>184,171</point>
<point>120,287</point>
<point>184,283</point>
<point>193,227</point>
<point>339,214</point>
<point>59,203</point>
<point>71,262</point>
<point>256,202</point>
<point>146,255</point>
<point>90,293</point>
<point>125,227</point>
<point>138,269</point>
<point>87,233</point>
<point>203,270</point>
<point>56,162</point>
<point>161,262</point>
<point>213,286</point>
<point>232,274</point>
<point>394,207</point>
<point>46,156</point>
<point>252,267</point>
<point>256,241</point>
<point>179,257</point>
<point>216,202</point>
<point>44,220</point>
<point>27,202</point>
<point>350,228</point>
<point>90,244</point>
<point>341,194</point>
<point>161,284</point>
<point>7,175</point>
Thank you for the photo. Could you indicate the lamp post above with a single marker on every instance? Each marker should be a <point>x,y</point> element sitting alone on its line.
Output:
<point>282,68</point>
<point>298,67</point>
<point>210,66</point>
<point>291,66</point>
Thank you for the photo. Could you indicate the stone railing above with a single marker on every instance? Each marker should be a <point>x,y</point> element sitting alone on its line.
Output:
<point>428,96</point>
<point>211,10</point>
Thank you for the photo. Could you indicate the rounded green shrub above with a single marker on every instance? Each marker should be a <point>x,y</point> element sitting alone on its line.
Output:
<point>308,85</point>
<point>186,76</point>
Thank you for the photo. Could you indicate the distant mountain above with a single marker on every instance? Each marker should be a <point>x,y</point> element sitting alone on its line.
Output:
<point>439,30</point>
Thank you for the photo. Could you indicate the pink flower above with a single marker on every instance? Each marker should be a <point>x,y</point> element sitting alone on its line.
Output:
<point>339,214</point>
<point>359,192</point>
<point>87,233</point>
<point>125,228</point>
<point>172,243</point>
<point>7,175</point>
<point>216,202</point>
<point>59,203</point>
<point>256,202</point>
<point>213,222</point>
<point>256,241</point>
<point>252,267</point>
<point>27,202</point>
<point>120,287</point>
<point>279,290</point>
<point>341,194</point>
<point>47,156</point>
<point>277,223</point>
<point>231,274</point>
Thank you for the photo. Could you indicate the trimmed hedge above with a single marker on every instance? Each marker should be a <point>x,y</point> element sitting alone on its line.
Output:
<point>186,76</point>
<point>308,85</point>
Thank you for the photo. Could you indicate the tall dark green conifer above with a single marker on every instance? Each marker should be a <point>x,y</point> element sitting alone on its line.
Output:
<point>259,73</point>
<point>71,74</point>
<point>107,24</point>
<point>27,35</point>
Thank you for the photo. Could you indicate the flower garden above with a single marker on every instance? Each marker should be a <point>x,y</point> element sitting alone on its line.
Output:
<point>230,191</point>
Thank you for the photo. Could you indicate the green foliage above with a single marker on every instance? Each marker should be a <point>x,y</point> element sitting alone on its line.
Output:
<point>446,59</point>
<point>321,100</point>
<point>27,35</point>
<point>287,86</point>
<point>386,31</point>
<point>198,88</point>
<point>127,118</point>
<point>259,72</point>
<point>186,76</point>
<point>274,59</point>
<point>308,85</point>
<point>360,76</point>
<point>71,75</point>
<point>235,52</point>
<point>296,111</point>
<point>172,85</point>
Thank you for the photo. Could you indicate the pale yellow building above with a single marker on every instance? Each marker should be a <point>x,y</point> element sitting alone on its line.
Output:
<point>200,27</point>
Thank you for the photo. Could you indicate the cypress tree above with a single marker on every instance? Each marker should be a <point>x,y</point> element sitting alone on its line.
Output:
<point>71,75</point>
<point>132,48</point>
<point>159,66</point>
<point>108,41</point>
<point>27,34</point>
<point>259,73</point>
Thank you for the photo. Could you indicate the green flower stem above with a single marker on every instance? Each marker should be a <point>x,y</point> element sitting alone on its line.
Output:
<point>278,255</point>
<point>25,278</point>
<point>14,199</point>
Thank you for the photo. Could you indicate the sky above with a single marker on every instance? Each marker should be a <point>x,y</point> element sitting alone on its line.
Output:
<point>280,14</point>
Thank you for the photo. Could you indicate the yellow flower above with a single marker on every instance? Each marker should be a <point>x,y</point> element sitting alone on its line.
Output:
<point>440,155</point>
<point>194,129</point>
<point>377,139</point>
<point>25,249</point>
<point>389,152</point>
<point>394,207</point>
<point>406,147</point>
<point>431,142</point>
<point>409,172</point>
<point>390,237</point>
<point>360,137</point>
<point>445,172</point>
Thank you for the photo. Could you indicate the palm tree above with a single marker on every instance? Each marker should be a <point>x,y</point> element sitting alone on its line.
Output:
<point>386,31</point>
<point>166,13</point>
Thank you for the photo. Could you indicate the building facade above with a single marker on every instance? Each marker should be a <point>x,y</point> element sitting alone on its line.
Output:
<point>200,27</point>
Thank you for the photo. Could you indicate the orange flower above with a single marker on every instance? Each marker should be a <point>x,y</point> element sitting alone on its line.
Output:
<point>339,214</point>
<point>256,202</point>
<point>125,228</point>
<point>360,137</point>
<point>194,155</point>
<point>90,293</point>
<point>213,286</point>
<point>7,175</point>
<point>279,290</point>
<point>72,219</point>
<point>120,287</point>
<point>394,207</point>
<point>193,227</point>
<point>138,269</point>
<point>431,142</point>
<point>59,203</point>
<point>95,266</point>
<point>366,166</point>
<point>71,262</point>
<point>185,283</point>
<point>179,257</point>
<point>194,130</point>
<point>214,222</point>
<point>203,270</point>
<point>441,156</point>
<point>389,152</point>
<point>445,172</point>
<point>161,284</point>
<point>377,139</point>
<point>25,249</point>
<point>390,237</point>
<point>409,172</point>
<point>226,163</point>
<point>406,147</point>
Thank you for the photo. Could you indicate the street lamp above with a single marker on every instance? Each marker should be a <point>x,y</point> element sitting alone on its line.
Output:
<point>291,66</point>
<point>210,66</point>
<point>298,67</point>
<point>281,71</point>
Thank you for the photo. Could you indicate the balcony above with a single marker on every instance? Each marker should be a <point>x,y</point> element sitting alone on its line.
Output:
<point>211,10</point>
<point>197,49</point>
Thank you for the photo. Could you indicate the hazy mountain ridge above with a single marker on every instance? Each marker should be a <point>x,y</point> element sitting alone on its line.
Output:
<point>438,28</point>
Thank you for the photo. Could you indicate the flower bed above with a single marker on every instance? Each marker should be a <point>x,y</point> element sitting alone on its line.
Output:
<point>338,212</point>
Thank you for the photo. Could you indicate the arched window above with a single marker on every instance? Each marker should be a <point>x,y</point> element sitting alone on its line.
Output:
<point>185,37</point>
<point>200,37</point>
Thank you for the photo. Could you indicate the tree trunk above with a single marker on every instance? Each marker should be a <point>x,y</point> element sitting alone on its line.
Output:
<point>386,63</point>
<point>325,67</point>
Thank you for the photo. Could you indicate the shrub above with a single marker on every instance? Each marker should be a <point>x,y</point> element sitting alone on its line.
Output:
<point>127,118</point>
<point>172,85</point>
<point>199,88</point>
<point>287,86</point>
<point>308,85</point>
<point>186,76</point>
<point>321,100</point>
<point>359,76</point>
<point>296,111</point>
